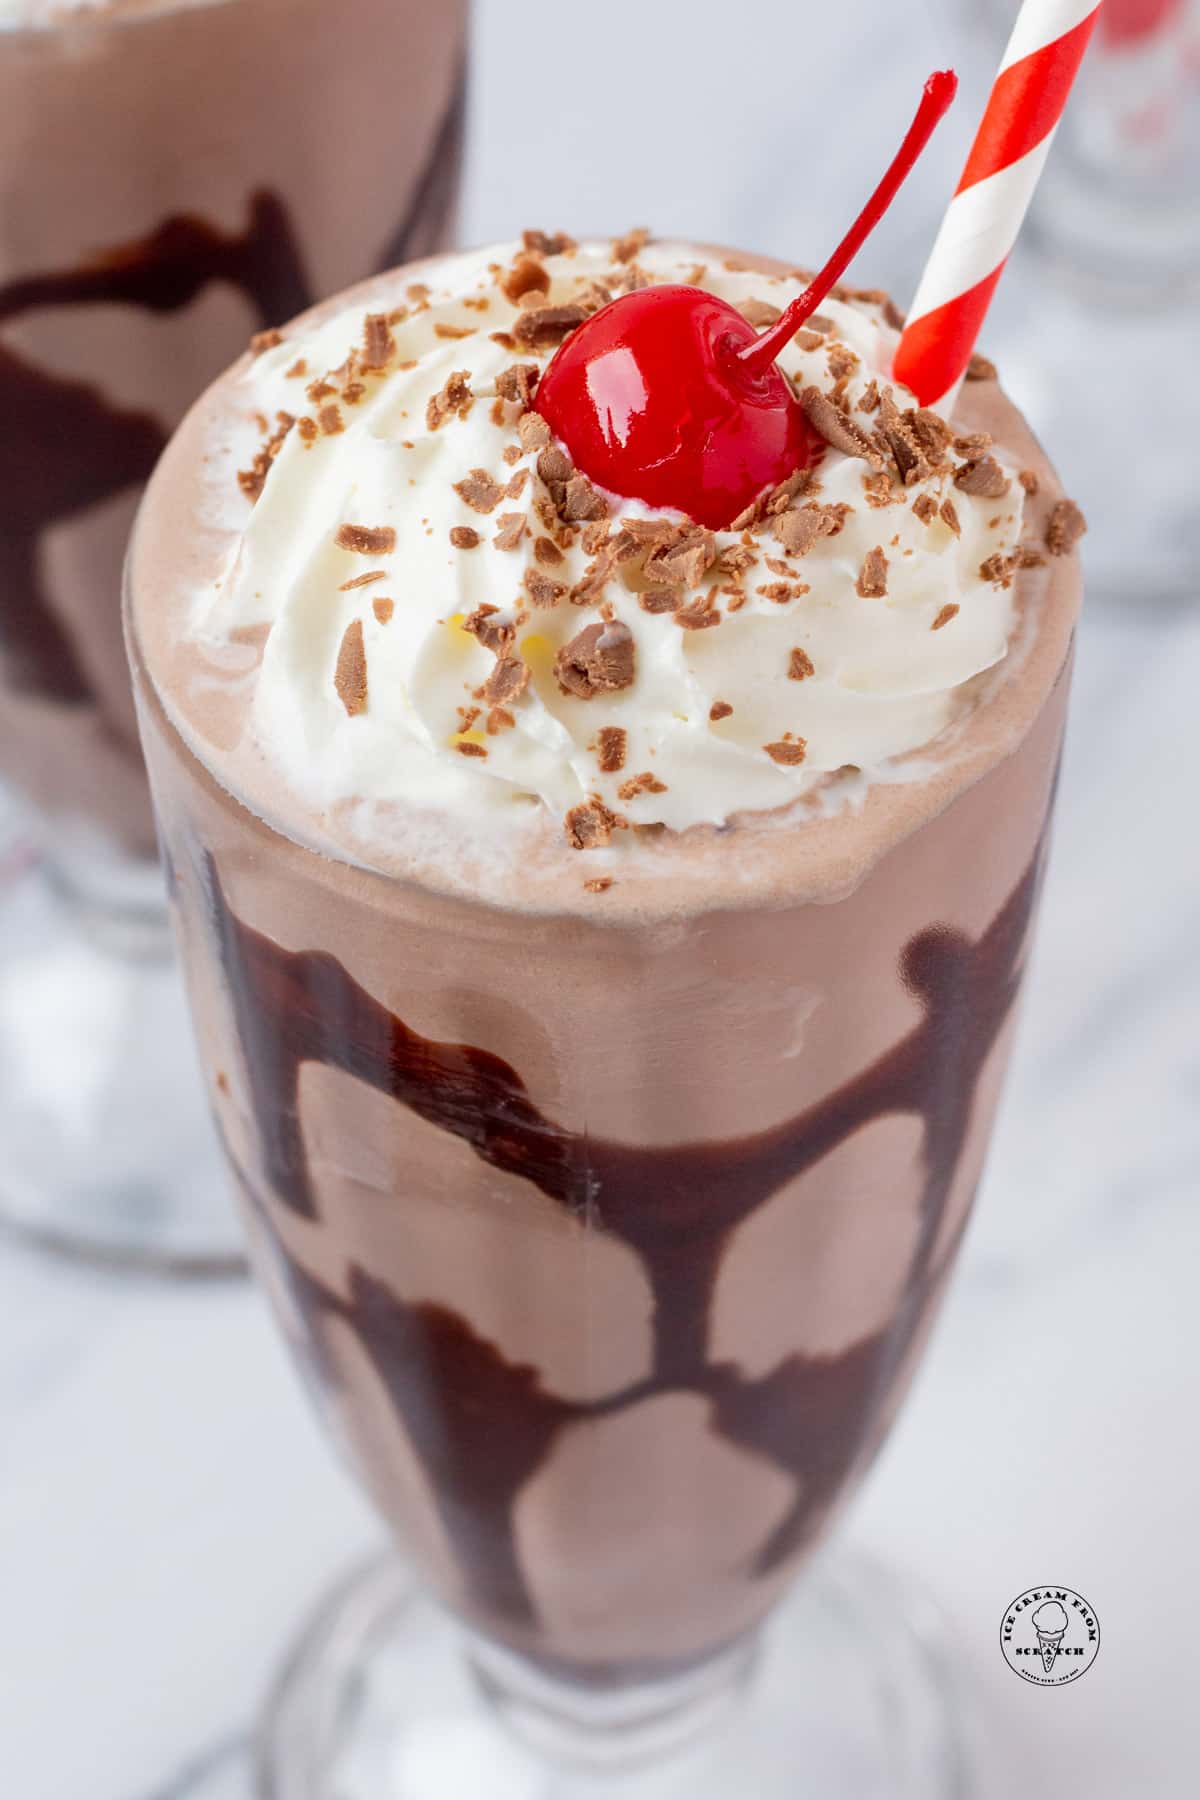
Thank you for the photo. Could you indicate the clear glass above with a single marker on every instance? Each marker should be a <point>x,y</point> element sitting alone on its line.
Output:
<point>607,1293</point>
<point>176,178</point>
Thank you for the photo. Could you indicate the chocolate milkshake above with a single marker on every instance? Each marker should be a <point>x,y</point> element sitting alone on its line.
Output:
<point>180,174</point>
<point>603,933</point>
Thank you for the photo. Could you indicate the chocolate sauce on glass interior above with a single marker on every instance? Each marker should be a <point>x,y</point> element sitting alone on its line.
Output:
<point>64,446</point>
<point>483,1425</point>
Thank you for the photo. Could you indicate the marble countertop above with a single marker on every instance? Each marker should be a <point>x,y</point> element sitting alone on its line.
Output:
<point>169,1512</point>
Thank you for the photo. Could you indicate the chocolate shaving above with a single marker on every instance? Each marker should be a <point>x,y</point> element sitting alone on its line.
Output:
<point>698,614</point>
<point>512,530</point>
<point>611,742</point>
<point>626,248</point>
<point>507,681</point>
<point>779,593</point>
<point>362,581</point>
<point>1028,558</point>
<point>720,709</point>
<point>800,666</point>
<point>838,428</point>
<point>799,528</point>
<point>645,783</point>
<point>998,567</point>
<point>379,346</point>
<point>488,629</point>
<point>948,612</point>
<point>1029,481</point>
<point>547,551</point>
<point>582,501</point>
<point>980,369</point>
<point>842,361</point>
<point>517,383</point>
<point>465,747</point>
<point>789,752</point>
<point>925,507</point>
<point>809,339</point>
<point>543,591</point>
<point>544,327</point>
<point>264,340</point>
<point>554,465</point>
<point>479,491</point>
<point>599,884</point>
<point>878,489</point>
<point>949,513</point>
<point>661,600</point>
<point>594,580</point>
<point>598,659</point>
<point>982,475</point>
<point>442,330</point>
<point>683,559</point>
<point>253,480</point>
<point>590,825</point>
<point>1064,528</point>
<point>547,243</point>
<point>330,420</point>
<point>526,275</point>
<point>454,400</point>
<point>366,540</point>
<point>872,579</point>
<point>907,450</point>
<point>533,431</point>
<point>383,608</point>
<point>464,537</point>
<point>350,676</point>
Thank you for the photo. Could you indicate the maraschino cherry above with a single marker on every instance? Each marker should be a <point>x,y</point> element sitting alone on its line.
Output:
<point>667,395</point>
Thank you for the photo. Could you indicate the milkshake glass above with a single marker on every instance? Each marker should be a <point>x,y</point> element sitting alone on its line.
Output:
<point>179,175</point>
<point>604,1005</point>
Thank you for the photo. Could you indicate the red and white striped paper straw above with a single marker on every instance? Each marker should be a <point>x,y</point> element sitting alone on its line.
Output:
<point>982,221</point>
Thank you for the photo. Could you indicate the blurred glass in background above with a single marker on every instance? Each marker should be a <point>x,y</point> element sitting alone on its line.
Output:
<point>1106,367</point>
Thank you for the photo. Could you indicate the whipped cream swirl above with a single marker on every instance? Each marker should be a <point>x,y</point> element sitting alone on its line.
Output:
<point>407,497</point>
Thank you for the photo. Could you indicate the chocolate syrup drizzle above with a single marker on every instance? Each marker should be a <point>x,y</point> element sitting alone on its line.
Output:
<point>64,446</point>
<point>484,1425</point>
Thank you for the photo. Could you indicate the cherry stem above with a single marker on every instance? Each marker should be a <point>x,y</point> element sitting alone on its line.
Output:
<point>939,92</point>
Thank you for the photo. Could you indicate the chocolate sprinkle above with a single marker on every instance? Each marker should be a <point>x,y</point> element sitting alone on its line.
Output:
<point>611,741</point>
<point>872,579</point>
<point>367,540</point>
<point>350,676</point>
<point>838,428</point>
<point>982,475</point>
<point>544,327</point>
<point>1064,528</point>
<point>599,659</point>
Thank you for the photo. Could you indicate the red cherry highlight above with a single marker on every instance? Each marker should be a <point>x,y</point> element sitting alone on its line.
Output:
<point>668,396</point>
<point>651,401</point>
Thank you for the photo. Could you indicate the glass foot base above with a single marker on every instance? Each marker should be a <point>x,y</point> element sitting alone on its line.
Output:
<point>108,1149</point>
<point>385,1698</point>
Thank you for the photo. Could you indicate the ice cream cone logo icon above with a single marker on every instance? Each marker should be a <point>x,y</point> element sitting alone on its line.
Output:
<point>1049,1636</point>
<point>1050,1623</point>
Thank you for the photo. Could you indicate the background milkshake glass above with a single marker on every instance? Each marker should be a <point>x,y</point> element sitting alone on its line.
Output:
<point>177,177</point>
<point>605,1193</point>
